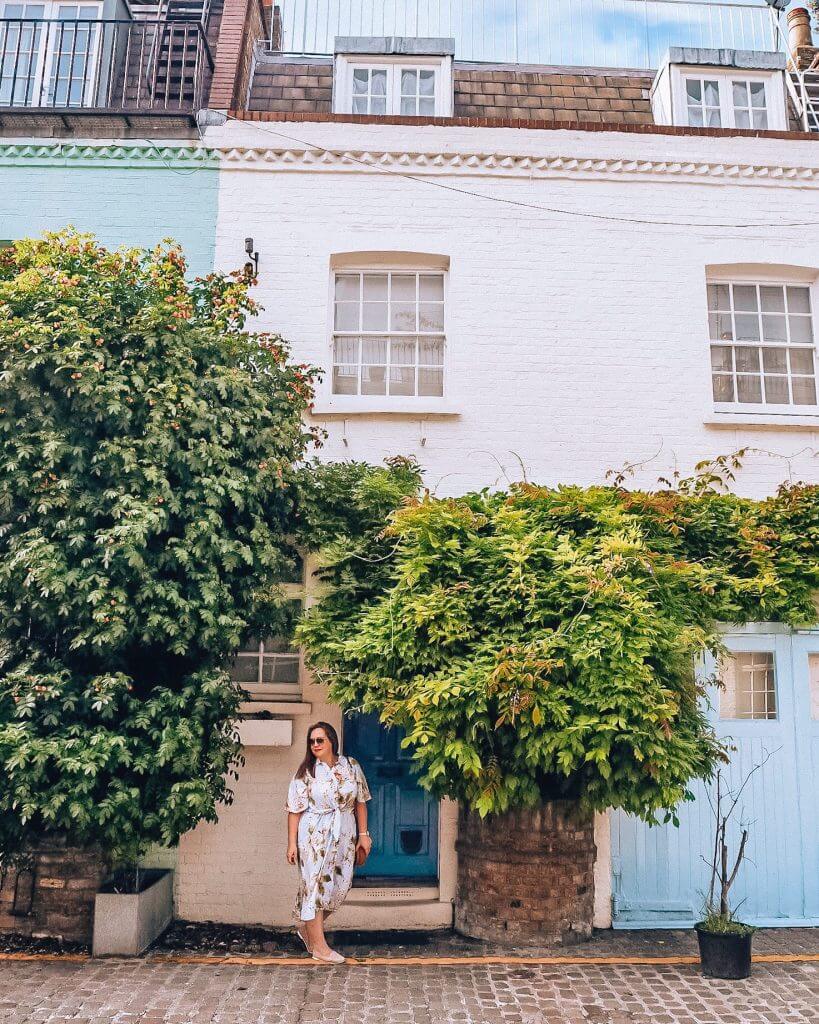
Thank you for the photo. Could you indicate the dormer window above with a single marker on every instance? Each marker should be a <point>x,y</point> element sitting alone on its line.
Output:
<point>702,88</point>
<point>393,76</point>
<point>726,101</point>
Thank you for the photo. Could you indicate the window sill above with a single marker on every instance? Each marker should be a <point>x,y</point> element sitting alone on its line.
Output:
<point>369,405</point>
<point>786,420</point>
<point>280,708</point>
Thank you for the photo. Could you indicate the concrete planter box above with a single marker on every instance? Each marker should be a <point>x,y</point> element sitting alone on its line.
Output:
<point>127,923</point>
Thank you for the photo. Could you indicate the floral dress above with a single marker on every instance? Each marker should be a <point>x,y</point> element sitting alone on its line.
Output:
<point>327,833</point>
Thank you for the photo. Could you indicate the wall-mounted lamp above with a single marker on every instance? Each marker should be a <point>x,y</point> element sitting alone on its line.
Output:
<point>252,265</point>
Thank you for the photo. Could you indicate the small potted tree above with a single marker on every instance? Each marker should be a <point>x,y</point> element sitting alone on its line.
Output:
<point>724,942</point>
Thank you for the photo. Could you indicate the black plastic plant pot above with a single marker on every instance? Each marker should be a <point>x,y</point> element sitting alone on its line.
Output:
<point>724,955</point>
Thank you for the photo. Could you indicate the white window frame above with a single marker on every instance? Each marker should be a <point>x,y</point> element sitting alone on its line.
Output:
<point>329,405</point>
<point>765,409</point>
<point>346,65</point>
<point>775,102</point>
<point>45,60</point>
<point>291,692</point>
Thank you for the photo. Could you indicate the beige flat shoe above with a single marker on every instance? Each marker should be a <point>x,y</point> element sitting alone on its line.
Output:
<point>333,958</point>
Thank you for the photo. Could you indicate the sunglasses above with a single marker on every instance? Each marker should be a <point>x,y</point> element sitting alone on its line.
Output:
<point>316,742</point>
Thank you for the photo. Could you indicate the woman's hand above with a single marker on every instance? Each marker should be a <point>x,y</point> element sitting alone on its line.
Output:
<point>292,853</point>
<point>364,843</point>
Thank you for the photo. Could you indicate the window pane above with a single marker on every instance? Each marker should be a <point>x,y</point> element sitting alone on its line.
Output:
<point>245,669</point>
<point>723,388</point>
<point>760,119</point>
<point>403,287</point>
<point>374,350</point>
<point>801,330</point>
<point>431,351</point>
<point>361,78</point>
<point>749,686</point>
<point>693,90</point>
<point>430,382</point>
<point>426,106</point>
<point>347,316</point>
<point>722,358</point>
<point>345,380</point>
<point>798,300</point>
<point>408,106</point>
<point>747,326</point>
<point>713,119</point>
<point>742,119</point>
<point>757,94</point>
<point>378,83</point>
<point>409,82</point>
<point>431,286</point>
<point>695,118</point>
<point>378,105</point>
<point>776,390</point>
<point>801,360</point>
<point>346,350</point>
<point>375,287</point>
<point>402,380</point>
<point>804,390</point>
<point>402,353</point>
<point>427,83</point>
<point>720,326</point>
<point>740,90</point>
<point>749,389</point>
<point>711,93</point>
<point>745,297</point>
<point>747,360</point>
<point>775,360</point>
<point>360,105</point>
<point>431,316</point>
<point>772,299</point>
<point>282,668</point>
<point>374,316</point>
<point>347,287</point>
<point>773,327</point>
<point>403,316</point>
<point>373,380</point>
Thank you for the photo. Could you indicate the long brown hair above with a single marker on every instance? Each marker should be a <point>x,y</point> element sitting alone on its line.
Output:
<point>307,767</point>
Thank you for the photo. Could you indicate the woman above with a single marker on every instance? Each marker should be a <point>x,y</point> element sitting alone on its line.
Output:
<point>326,834</point>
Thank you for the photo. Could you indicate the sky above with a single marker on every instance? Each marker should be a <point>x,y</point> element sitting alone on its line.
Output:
<point>594,33</point>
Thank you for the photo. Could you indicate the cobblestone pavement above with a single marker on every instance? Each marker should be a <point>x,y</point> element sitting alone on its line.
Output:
<point>151,992</point>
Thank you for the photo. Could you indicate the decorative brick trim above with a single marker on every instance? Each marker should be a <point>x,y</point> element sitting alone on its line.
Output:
<point>435,163</point>
<point>515,122</point>
<point>67,154</point>
<point>243,22</point>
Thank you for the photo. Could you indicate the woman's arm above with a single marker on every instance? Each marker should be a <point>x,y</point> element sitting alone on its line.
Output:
<point>361,825</point>
<point>293,836</point>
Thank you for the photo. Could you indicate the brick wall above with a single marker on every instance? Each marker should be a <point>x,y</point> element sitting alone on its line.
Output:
<point>280,85</point>
<point>527,876</point>
<point>553,96</point>
<point>283,86</point>
<point>243,24</point>
<point>55,895</point>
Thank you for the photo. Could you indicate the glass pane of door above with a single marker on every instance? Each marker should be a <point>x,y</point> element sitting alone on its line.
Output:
<point>21,53</point>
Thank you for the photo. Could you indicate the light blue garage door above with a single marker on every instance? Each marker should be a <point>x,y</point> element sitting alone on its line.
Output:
<point>770,703</point>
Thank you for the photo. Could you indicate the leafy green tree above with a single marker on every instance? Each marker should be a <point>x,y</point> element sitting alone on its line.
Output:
<point>147,451</point>
<point>541,643</point>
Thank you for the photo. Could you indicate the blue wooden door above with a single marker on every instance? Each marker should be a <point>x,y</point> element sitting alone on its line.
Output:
<point>659,878</point>
<point>403,819</point>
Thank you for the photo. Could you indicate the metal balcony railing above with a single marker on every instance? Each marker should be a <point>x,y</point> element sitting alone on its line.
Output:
<point>108,65</point>
<point>594,33</point>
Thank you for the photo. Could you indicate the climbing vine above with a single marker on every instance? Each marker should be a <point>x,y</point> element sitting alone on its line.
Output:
<point>542,641</point>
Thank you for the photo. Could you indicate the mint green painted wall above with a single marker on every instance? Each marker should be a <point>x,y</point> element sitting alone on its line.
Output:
<point>135,196</point>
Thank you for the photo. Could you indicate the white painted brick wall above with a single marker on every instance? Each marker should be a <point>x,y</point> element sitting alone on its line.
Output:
<point>574,346</point>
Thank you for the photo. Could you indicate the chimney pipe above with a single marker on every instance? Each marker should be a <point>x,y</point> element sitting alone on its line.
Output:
<point>799,33</point>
